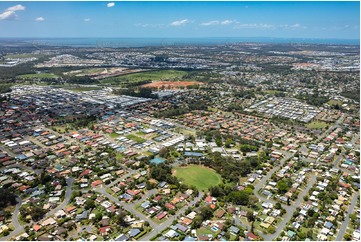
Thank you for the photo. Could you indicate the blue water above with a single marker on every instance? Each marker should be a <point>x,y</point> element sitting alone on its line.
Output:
<point>144,42</point>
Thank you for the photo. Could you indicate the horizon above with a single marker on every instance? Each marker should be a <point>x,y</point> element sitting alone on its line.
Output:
<point>306,20</point>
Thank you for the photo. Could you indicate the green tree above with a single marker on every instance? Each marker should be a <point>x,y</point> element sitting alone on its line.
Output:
<point>251,218</point>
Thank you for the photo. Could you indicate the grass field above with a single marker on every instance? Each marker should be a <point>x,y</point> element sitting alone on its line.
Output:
<point>335,102</point>
<point>135,138</point>
<point>198,176</point>
<point>22,56</point>
<point>148,75</point>
<point>316,125</point>
<point>38,75</point>
<point>114,135</point>
<point>272,92</point>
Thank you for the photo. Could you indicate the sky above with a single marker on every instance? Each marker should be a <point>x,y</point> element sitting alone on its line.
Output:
<point>324,20</point>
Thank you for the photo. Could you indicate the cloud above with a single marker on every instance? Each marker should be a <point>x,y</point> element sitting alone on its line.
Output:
<point>293,26</point>
<point>149,25</point>
<point>87,19</point>
<point>110,5</point>
<point>214,22</point>
<point>10,13</point>
<point>217,22</point>
<point>179,22</point>
<point>225,22</point>
<point>255,26</point>
<point>16,8</point>
<point>40,19</point>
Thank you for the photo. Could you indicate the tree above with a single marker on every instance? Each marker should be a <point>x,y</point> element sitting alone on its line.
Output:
<point>89,204</point>
<point>206,212</point>
<point>347,237</point>
<point>278,205</point>
<point>271,229</point>
<point>6,197</point>
<point>227,235</point>
<point>310,234</point>
<point>282,187</point>
<point>228,143</point>
<point>238,197</point>
<point>120,218</point>
<point>251,218</point>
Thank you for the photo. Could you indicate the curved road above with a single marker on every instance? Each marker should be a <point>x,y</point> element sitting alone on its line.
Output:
<point>20,229</point>
<point>68,192</point>
<point>15,222</point>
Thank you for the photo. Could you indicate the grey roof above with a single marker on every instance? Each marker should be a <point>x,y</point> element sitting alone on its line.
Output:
<point>134,232</point>
<point>122,237</point>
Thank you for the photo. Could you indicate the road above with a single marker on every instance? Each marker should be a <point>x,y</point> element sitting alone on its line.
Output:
<point>169,222</point>
<point>15,222</point>
<point>262,182</point>
<point>328,131</point>
<point>238,222</point>
<point>68,192</point>
<point>347,220</point>
<point>291,209</point>
<point>130,208</point>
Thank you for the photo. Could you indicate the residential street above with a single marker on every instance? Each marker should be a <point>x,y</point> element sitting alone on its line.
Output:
<point>262,182</point>
<point>347,220</point>
<point>15,221</point>
<point>67,197</point>
<point>167,223</point>
<point>291,209</point>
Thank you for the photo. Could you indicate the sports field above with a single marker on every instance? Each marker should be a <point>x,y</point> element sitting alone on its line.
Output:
<point>38,75</point>
<point>198,176</point>
<point>316,125</point>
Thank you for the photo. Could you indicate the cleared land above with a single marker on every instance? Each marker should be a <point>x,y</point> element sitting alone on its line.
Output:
<point>145,76</point>
<point>22,56</point>
<point>198,176</point>
<point>102,73</point>
<point>38,75</point>
<point>167,84</point>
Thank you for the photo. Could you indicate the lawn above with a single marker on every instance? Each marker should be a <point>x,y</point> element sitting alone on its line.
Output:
<point>38,75</point>
<point>335,102</point>
<point>272,92</point>
<point>135,138</point>
<point>114,135</point>
<point>316,125</point>
<point>198,176</point>
<point>148,75</point>
<point>206,231</point>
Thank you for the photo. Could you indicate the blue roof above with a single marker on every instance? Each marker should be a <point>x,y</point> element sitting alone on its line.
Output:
<point>188,238</point>
<point>197,154</point>
<point>328,225</point>
<point>21,157</point>
<point>157,160</point>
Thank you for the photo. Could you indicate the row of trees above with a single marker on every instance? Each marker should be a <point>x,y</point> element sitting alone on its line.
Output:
<point>141,92</point>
